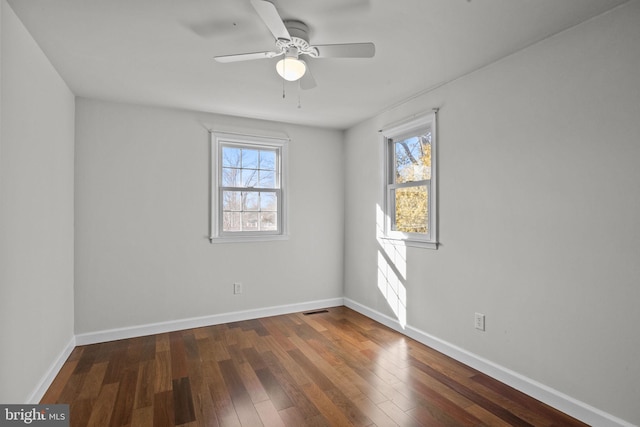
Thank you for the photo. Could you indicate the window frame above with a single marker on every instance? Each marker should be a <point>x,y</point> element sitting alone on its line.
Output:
<point>407,129</point>
<point>277,144</point>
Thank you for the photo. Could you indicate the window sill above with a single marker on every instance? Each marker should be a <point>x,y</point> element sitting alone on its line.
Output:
<point>248,239</point>
<point>411,243</point>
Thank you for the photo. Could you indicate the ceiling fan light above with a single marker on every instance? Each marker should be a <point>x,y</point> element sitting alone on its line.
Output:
<point>291,69</point>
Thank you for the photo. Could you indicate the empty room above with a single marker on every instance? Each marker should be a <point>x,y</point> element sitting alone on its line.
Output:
<point>327,213</point>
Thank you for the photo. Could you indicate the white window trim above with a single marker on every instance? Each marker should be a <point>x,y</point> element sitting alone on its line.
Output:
<point>216,140</point>
<point>408,128</point>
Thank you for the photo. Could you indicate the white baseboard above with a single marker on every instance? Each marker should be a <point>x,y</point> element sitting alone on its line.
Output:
<point>551,397</point>
<point>197,322</point>
<point>51,373</point>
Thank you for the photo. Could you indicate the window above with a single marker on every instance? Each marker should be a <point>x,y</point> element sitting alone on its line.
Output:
<point>410,182</point>
<point>248,183</point>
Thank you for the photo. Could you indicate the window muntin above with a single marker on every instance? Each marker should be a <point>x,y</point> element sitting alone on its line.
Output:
<point>247,203</point>
<point>410,181</point>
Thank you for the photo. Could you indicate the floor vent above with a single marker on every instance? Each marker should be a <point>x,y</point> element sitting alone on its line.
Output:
<point>308,313</point>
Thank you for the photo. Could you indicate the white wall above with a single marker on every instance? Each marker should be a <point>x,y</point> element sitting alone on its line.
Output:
<point>539,197</point>
<point>36,213</point>
<point>142,206</point>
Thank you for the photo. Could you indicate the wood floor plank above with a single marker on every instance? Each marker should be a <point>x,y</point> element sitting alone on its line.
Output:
<point>80,411</point>
<point>87,360</point>
<point>315,356</point>
<point>163,412</point>
<point>333,368</point>
<point>252,382</point>
<point>220,351</point>
<point>142,417</point>
<point>205,348</point>
<point>72,388</point>
<point>477,398</point>
<point>123,405</point>
<point>190,346</point>
<point>398,415</point>
<point>426,417</point>
<point>487,417</point>
<point>292,417</point>
<point>103,408</point>
<point>329,410</point>
<point>202,402</point>
<point>183,401</point>
<point>545,412</point>
<point>148,348</point>
<point>221,399</point>
<point>291,387</point>
<point>117,365</point>
<point>346,406</point>
<point>162,342</point>
<point>162,371</point>
<point>145,384</point>
<point>93,381</point>
<point>269,414</point>
<point>314,374</point>
<point>178,356</point>
<point>274,390</point>
<point>239,394</point>
<point>375,414</point>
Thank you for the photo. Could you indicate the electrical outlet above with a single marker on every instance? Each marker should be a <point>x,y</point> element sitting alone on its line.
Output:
<point>479,321</point>
<point>237,288</point>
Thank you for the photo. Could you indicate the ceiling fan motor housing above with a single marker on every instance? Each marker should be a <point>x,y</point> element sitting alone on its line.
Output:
<point>299,32</point>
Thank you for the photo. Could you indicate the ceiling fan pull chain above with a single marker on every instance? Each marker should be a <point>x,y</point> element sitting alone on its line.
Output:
<point>299,104</point>
<point>284,65</point>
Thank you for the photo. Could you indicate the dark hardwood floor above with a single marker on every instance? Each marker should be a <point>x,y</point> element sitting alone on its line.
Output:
<point>336,368</point>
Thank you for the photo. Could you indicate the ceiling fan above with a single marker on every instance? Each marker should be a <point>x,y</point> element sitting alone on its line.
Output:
<point>292,41</point>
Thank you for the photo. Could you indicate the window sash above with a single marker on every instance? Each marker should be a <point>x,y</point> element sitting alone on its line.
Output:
<point>221,212</point>
<point>391,231</point>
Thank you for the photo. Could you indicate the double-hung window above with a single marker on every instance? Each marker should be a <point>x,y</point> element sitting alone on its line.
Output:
<point>410,182</point>
<point>248,188</point>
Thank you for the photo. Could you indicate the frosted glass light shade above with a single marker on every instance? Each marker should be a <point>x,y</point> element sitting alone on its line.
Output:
<point>291,69</point>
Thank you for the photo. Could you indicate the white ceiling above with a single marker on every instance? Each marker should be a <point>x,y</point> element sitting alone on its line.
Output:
<point>160,52</point>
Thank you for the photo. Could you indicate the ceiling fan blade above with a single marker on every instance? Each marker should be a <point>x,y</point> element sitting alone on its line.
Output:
<point>246,56</point>
<point>271,18</point>
<point>307,81</point>
<point>346,50</point>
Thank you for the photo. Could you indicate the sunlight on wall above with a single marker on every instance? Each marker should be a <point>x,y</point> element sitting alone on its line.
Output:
<point>392,271</point>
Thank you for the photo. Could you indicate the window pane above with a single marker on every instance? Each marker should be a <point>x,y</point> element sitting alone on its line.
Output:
<point>250,201</point>
<point>268,202</point>
<point>231,157</point>
<point>413,158</point>
<point>249,177</point>
<point>231,201</point>
<point>411,210</point>
<point>268,160</point>
<point>249,221</point>
<point>267,179</point>
<point>231,221</point>
<point>249,159</point>
<point>268,221</point>
<point>230,177</point>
